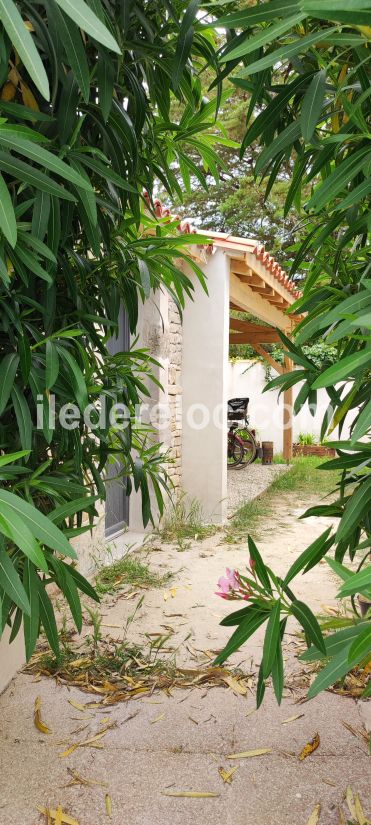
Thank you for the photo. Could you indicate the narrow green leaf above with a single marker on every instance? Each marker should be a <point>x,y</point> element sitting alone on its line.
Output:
<point>48,619</point>
<point>82,583</point>
<point>75,51</point>
<point>17,531</point>
<point>334,643</point>
<point>80,13</point>
<point>309,623</point>
<point>272,635</point>
<point>312,105</point>
<point>31,622</point>
<point>266,35</point>
<point>344,368</point>
<point>11,583</point>
<point>338,179</point>
<point>77,378</point>
<point>8,224</point>
<point>315,551</point>
<point>363,423</point>
<point>260,568</point>
<point>338,667</point>
<point>286,52</point>
<point>361,647</point>
<point>24,44</point>
<point>358,504</point>
<point>259,13</point>
<point>45,158</point>
<point>40,525</point>
<point>357,583</point>
<point>28,174</point>
<point>23,416</point>
<point>241,634</point>
<point>8,369</point>
<point>69,508</point>
<point>52,364</point>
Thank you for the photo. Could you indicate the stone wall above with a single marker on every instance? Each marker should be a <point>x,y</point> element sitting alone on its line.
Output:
<point>175,393</point>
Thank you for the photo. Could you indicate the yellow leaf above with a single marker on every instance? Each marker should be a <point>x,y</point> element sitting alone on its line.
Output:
<point>314,817</point>
<point>192,794</point>
<point>69,750</point>
<point>227,776</point>
<point>108,805</point>
<point>76,704</point>
<point>8,91</point>
<point>58,818</point>
<point>77,779</point>
<point>66,819</point>
<point>173,591</point>
<point>236,686</point>
<point>37,717</point>
<point>310,747</point>
<point>292,718</point>
<point>248,754</point>
<point>28,98</point>
<point>158,718</point>
<point>359,811</point>
<point>350,802</point>
<point>341,818</point>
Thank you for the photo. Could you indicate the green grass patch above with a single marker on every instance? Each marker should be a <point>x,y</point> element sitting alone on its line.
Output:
<point>303,479</point>
<point>128,571</point>
<point>184,520</point>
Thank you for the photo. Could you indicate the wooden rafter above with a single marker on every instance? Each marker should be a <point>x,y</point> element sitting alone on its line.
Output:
<point>276,366</point>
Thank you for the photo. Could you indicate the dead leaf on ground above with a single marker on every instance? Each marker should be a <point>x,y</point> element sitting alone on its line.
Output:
<point>310,747</point>
<point>314,817</point>
<point>77,779</point>
<point>238,687</point>
<point>248,754</point>
<point>227,776</point>
<point>76,705</point>
<point>37,717</point>
<point>108,802</point>
<point>192,794</point>
<point>157,719</point>
<point>359,811</point>
<point>292,718</point>
<point>58,816</point>
<point>350,801</point>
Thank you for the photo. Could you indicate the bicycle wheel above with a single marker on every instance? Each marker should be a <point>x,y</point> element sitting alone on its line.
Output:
<point>236,452</point>
<point>249,445</point>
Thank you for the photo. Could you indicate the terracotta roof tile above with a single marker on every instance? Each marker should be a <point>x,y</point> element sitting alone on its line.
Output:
<point>221,239</point>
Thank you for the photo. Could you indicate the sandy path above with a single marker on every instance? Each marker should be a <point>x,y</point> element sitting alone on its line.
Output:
<point>165,744</point>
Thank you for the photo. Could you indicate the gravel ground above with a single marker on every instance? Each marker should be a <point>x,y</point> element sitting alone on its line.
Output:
<point>247,483</point>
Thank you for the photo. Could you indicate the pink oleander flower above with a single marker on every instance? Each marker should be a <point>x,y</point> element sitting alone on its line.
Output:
<point>252,564</point>
<point>228,584</point>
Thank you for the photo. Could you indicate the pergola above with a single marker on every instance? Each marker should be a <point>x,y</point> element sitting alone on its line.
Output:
<point>259,286</point>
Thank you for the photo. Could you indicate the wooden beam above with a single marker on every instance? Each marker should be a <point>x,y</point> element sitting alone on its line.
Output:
<point>267,356</point>
<point>248,326</point>
<point>243,297</point>
<point>287,414</point>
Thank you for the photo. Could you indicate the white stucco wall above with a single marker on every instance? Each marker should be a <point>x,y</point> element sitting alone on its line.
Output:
<point>205,389</point>
<point>247,378</point>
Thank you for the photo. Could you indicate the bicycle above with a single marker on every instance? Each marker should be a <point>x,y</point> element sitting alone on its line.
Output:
<point>242,446</point>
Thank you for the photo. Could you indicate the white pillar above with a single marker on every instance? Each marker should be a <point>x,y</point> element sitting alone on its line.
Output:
<point>205,390</point>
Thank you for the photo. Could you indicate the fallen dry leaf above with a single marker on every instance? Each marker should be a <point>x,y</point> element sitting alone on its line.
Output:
<point>64,818</point>
<point>192,794</point>
<point>349,796</point>
<point>237,687</point>
<point>310,747</point>
<point>359,811</point>
<point>247,754</point>
<point>108,802</point>
<point>76,705</point>
<point>157,718</point>
<point>314,817</point>
<point>292,718</point>
<point>77,779</point>
<point>37,717</point>
<point>227,776</point>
